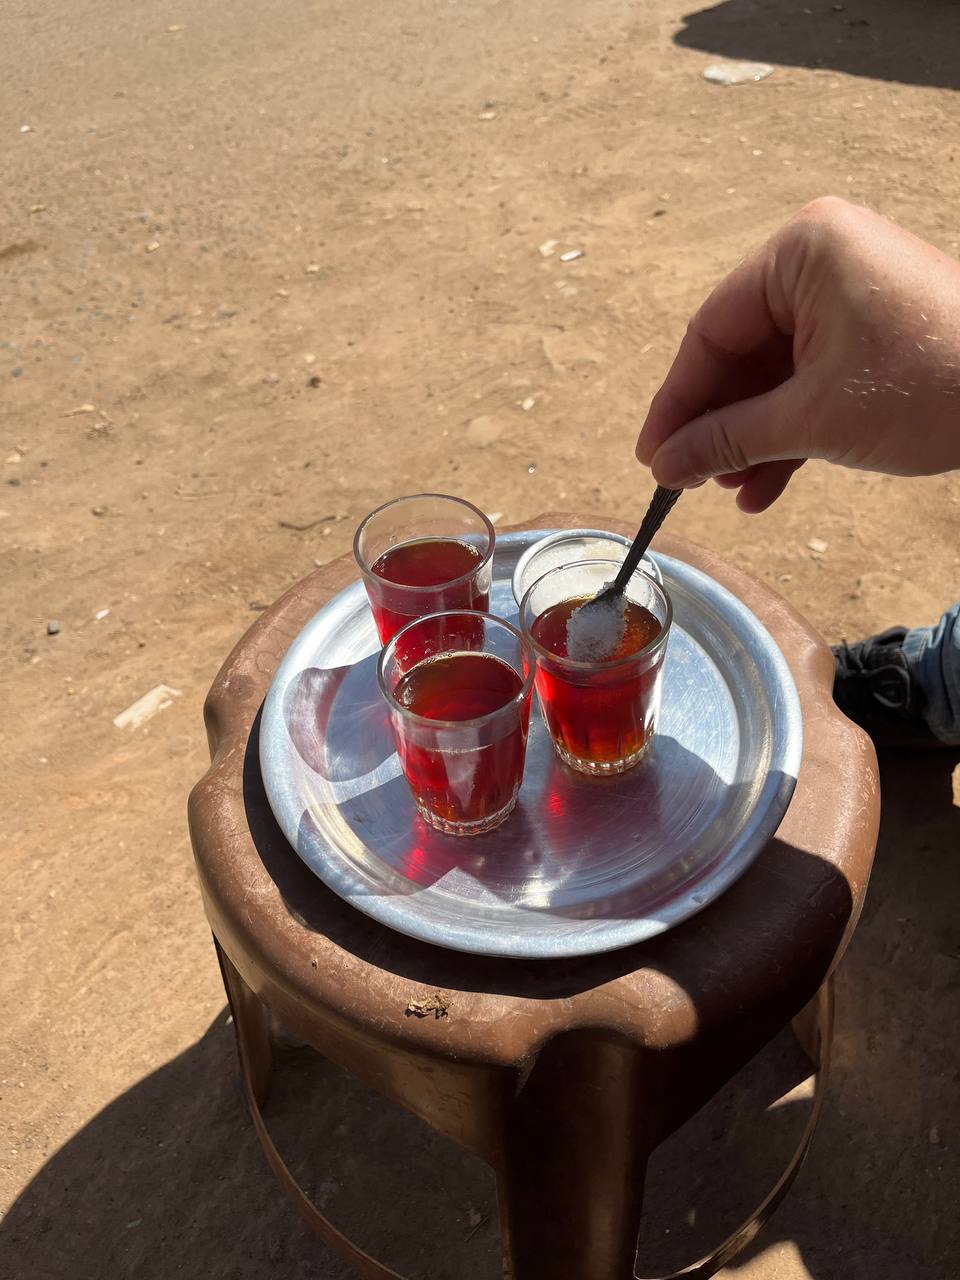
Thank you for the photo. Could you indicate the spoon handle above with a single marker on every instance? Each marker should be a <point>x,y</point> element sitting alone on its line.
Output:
<point>660,506</point>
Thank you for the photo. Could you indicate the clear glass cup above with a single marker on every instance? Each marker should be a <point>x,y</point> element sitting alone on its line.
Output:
<point>601,714</point>
<point>567,545</point>
<point>458,687</point>
<point>421,555</point>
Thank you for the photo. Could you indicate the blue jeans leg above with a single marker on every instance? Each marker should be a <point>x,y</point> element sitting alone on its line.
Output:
<point>933,656</point>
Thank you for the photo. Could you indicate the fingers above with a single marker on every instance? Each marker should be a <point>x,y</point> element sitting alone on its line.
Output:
<point>765,484</point>
<point>698,370</point>
<point>734,479</point>
<point>760,485</point>
<point>734,322</point>
<point>733,439</point>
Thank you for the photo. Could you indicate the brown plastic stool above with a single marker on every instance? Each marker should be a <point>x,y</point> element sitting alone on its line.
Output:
<point>563,1076</point>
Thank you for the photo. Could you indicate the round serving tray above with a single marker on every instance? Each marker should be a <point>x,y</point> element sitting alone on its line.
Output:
<point>583,864</point>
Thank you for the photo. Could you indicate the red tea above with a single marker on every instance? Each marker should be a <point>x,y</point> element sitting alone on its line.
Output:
<point>600,716</point>
<point>470,782</point>
<point>425,563</point>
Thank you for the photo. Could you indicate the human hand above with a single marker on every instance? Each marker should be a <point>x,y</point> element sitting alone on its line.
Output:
<point>839,339</point>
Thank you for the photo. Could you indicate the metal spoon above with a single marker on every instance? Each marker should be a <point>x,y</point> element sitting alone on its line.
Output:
<point>660,506</point>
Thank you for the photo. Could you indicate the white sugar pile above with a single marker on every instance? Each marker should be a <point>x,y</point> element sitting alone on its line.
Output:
<point>594,633</point>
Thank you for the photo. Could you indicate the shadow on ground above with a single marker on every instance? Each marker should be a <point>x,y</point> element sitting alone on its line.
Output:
<point>168,1179</point>
<point>876,1199</point>
<point>900,40</point>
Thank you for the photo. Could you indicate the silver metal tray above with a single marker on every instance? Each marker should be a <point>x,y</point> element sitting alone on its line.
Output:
<point>583,864</point>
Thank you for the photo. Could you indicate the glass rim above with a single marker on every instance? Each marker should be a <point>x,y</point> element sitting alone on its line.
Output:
<point>516,701</point>
<point>367,569</point>
<point>610,664</point>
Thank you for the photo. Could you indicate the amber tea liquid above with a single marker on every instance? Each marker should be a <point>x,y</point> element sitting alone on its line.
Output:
<point>426,563</point>
<point>476,782</point>
<point>601,716</point>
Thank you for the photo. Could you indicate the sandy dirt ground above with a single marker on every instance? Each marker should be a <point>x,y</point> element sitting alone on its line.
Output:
<point>263,266</point>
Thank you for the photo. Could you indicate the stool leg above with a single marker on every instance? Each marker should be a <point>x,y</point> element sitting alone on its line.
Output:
<point>250,1022</point>
<point>810,1023</point>
<point>571,1179</point>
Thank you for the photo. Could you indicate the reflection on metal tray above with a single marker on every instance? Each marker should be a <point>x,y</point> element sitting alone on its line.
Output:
<point>583,864</point>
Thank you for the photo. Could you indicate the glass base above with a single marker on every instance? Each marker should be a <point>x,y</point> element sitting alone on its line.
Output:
<point>478,828</point>
<point>604,768</point>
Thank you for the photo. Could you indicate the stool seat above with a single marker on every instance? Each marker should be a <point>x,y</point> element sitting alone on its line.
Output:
<point>564,1075</point>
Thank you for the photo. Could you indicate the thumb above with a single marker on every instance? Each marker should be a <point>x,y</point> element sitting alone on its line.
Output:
<point>766,428</point>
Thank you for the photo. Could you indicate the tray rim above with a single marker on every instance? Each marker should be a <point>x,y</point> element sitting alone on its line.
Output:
<point>615,932</point>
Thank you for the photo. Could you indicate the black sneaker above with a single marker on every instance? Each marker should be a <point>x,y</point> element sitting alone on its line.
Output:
<point>873,687</point>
